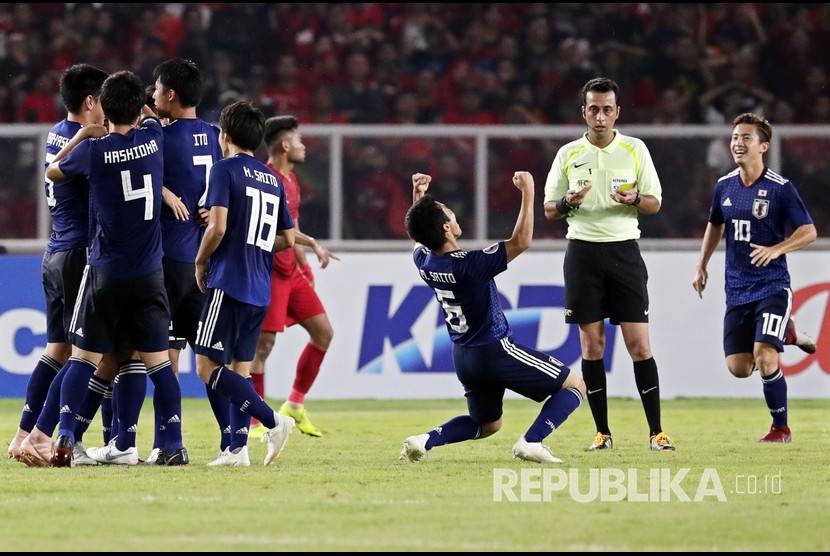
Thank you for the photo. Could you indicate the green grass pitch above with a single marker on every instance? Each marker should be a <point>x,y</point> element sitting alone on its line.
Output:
<point>347,491</point>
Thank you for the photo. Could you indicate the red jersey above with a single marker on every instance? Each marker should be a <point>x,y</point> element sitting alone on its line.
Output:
<point>285,264</point>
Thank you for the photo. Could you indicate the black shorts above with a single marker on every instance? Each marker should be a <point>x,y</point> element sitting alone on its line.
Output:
<point>605,280</point>
<point>61,273</point>
<point>760,321</point>
<point>186,302</point>
<point>111,307</point>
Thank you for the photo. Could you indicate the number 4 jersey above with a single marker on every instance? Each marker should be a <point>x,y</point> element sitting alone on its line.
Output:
<point>125,179</point>
<point>463,282</point>
<point>762,213</point>
<point>255,199</point>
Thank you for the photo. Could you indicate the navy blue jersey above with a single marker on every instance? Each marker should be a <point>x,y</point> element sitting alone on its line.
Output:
<point>68,200</point>
<point>191,147</point>
<point>125,179</point>
<point>463,282</point>
<point>762,213</point>
<point>255,199</point>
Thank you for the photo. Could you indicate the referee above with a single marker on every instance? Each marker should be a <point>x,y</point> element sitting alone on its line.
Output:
<point>601,183</point>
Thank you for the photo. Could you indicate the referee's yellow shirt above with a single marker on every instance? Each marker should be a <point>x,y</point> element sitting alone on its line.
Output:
<point>600,218</point>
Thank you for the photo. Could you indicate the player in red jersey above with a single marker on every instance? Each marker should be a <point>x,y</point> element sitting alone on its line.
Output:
<point>293,298</point>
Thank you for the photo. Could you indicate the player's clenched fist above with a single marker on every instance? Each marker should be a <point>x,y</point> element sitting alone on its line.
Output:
<point>523,181</point>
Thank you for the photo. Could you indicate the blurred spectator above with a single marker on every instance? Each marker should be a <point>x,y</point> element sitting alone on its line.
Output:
<point>722,103</point>
<point>61,47</point>
<point>426,95</point>
<point>221,84</point>
<point>256,93</point>
<point>381,198</point>
<point>672,108</point>
<point>81,18</point>
<point>326,68</point>
<point>388,72</point>
<point>357,99</point>
<point>194,45</point>
<point>40,105</point>
<point>17,66</point>
<point>681,67</point>
<point>152,53</point>
<point>290,89</point>
<point>469,110</point>
<point>322,108</point>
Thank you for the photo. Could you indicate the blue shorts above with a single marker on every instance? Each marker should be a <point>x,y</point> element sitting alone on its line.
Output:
<point>760,321</point>
<point>112,309</point>
<point>228,329</point>
<point>487,371</point>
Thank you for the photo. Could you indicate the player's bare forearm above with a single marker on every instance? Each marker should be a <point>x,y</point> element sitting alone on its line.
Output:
<point>523,231</point>
<point>285,240</point>
<point>762,255</point>
<point>711,238</point>
<point>801,237</point>
<point>175,203</point>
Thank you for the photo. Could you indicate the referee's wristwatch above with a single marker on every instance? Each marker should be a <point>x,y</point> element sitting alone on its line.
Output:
<point>637,200</point>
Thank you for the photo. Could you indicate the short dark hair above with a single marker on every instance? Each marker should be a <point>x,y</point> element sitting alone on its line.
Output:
<point>78,82</point>
<point>123,97</point>
<point>184,77</point>
<point>276,126</point>
<point>762,125</point>
<point>600,85</point>
<point>244,123</point>
<point>425,221</point>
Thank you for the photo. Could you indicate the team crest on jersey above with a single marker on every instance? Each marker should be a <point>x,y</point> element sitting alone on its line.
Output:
<point>760,208</point>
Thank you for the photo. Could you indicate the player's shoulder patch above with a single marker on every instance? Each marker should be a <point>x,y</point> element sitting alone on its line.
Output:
<point>490,250</point>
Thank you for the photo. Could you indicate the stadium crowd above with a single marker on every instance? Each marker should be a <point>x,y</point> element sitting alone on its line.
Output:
<point>445,63</point>
<point>458,63</point>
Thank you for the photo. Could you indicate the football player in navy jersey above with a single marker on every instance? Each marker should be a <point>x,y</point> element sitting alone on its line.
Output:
<point>249,221</point>
<point>755,207</point>
<point>191,147</point>
<point>65,255</point>
<point>123,284</point>
<point>487,360</point>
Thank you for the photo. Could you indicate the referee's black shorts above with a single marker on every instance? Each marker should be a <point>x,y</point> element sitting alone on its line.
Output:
<point>605,280</point>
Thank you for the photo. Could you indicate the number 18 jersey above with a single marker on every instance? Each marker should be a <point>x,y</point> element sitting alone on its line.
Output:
<point>255,199</point>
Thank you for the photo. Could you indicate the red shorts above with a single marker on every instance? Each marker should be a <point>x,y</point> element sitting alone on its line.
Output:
<point>293,300</point>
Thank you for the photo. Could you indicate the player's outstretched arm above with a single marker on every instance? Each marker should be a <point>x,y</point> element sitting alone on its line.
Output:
<point>420,184</point>
<point>523,231</point>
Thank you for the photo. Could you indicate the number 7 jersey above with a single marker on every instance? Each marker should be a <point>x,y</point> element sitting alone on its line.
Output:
<point>763,213</point>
